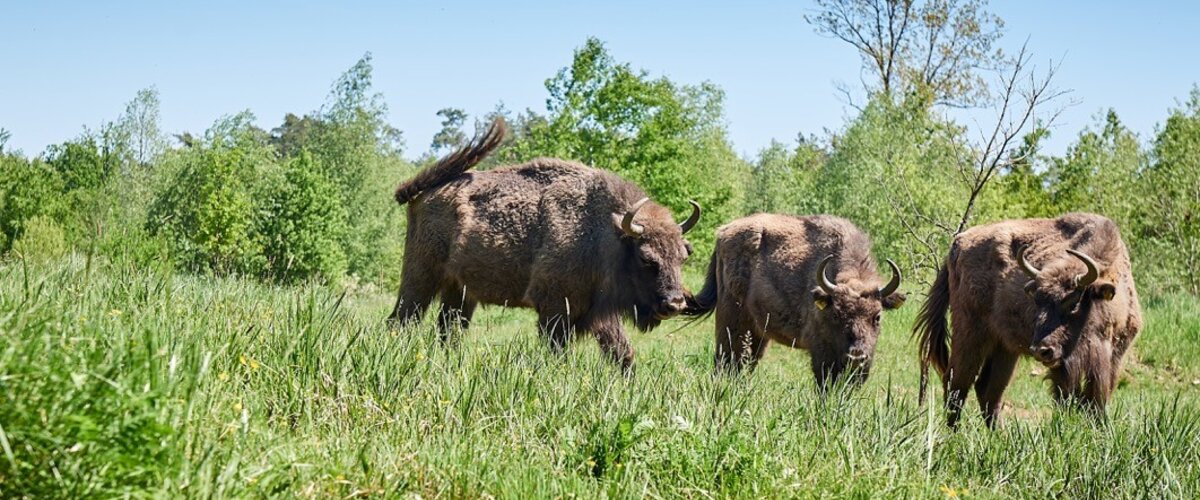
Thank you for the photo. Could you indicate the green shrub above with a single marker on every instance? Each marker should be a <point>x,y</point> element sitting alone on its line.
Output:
<point>28,188</point>
<point>302,224</point>
<point>207,211</point>
<point>42,240</point>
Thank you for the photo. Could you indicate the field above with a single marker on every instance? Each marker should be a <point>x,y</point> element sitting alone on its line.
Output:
<point>117,380</point>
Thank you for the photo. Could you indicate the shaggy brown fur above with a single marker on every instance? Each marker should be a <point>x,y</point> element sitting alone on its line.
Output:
<point>764,283</point>
<point>1000,313</point>
<point>546,235</point>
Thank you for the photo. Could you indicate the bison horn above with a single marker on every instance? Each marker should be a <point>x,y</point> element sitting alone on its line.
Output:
<point>1025,265</point>
<point>627,224</point>
<point>691,221</point>
<point>1093,272</point>
<point>894,284</point>
<point>822,278</point>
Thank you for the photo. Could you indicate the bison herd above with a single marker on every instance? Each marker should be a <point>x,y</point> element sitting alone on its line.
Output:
<point>586,249</point>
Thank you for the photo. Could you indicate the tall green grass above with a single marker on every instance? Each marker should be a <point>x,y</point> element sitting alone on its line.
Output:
<point>124,381</point>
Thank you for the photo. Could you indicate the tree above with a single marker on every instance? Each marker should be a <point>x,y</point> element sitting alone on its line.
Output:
<point>295,134</point>
<point>782,180</point>
<point>451,136</point>
<point>668,138</point>
<point>302,223</point>
<point>208,209</point>
<point>932,48</point>
<point>359,153</point>
<point>1098,172</point>
<point>1169,213</point>
<point>140,125</point>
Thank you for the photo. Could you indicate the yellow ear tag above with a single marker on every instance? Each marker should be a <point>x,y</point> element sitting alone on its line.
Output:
<point>1109,293</point>
<point>821,304</point>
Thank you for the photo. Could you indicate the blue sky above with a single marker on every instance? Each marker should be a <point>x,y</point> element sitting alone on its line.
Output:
<point>68,65</point>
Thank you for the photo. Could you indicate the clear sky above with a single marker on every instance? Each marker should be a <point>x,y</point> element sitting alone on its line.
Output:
<point>65,65</point>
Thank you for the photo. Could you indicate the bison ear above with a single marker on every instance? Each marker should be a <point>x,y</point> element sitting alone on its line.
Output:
<point>894,300</point>
<point>820,299</point>
<point>1106,291</point>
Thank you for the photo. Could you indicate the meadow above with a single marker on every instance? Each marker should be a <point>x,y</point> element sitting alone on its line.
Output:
<point>126,380</point>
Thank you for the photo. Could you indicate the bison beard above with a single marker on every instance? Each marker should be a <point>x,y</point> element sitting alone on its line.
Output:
<point>1077,314</point>
<point>581,246</point>
<point>807,282</point>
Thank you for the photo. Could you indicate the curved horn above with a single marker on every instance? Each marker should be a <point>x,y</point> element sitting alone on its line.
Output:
<point>894,284</point>
<point>691,221</point>
<point>627,225</point>
<point>1093,271</point>
<point>1025,265</point>
<point>822,278</point>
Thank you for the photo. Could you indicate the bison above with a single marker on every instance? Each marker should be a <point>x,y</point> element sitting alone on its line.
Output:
<point>806,282</point>
<point>581,246</point>
<point>1059,290</point>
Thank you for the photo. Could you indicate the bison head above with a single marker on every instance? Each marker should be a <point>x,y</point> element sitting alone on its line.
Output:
<point>848,317</point>
<point>652,254</point>
<point>1068,304</point>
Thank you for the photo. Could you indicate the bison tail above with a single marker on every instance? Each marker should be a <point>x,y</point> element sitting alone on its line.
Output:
<point>931,330</point>
<point>702,304</point>
<point>455,164</point>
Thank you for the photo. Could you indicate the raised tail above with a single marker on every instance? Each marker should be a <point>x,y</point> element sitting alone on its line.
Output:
<point>930,329</point>
<point>703,303</point>
<point>455,164</point>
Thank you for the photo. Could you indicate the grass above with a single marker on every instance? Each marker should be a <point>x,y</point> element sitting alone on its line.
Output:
<point>123,381</point>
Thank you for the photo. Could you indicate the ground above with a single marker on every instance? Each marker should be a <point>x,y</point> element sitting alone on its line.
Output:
<point>116,379</point>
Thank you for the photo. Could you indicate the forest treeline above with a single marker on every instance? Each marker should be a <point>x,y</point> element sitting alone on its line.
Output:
<point>311,197</point>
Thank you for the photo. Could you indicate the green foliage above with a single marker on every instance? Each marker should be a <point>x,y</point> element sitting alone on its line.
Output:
<point>80,164</point>
<point>1169,213</point>
<point>208,210</point>
<point>451,136</point>
<point>782,181</point>
<point>360,154</point>
<point>888,173</point>
<point>27,189</point>
<point>303,223</point>
<point>1020,192</point>
<point>1099,172</point>
<point>41,240</point>
<point>670,139</point>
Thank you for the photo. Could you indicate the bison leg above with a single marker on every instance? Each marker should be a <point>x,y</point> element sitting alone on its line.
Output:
<point>556,328</point>
<point>613,341</point>
<point>965,363</point>
<point>737,346</point>
<point>993,380</point>
<point>456,311</point>
<point>418,284</point>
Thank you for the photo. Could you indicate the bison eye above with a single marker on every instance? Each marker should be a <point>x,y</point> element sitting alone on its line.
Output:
<point>877,318</point>
<point>646,263</point>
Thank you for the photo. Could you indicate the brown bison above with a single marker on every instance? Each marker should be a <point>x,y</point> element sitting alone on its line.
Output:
<point>581,246</point>
<point>1059,290</point>
<point>806,282</point>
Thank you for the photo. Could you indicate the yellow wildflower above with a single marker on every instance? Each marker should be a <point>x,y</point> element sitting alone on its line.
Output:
<point>223,376</point>
<point>115,313</point>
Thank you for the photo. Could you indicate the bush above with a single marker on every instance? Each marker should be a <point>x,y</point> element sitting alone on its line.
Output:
<point>27,189</point>
<point>42,240</point>
<point>207,211</point>
<point>302,223</point>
